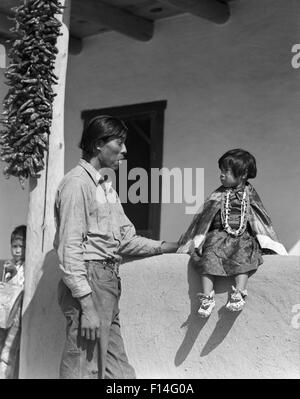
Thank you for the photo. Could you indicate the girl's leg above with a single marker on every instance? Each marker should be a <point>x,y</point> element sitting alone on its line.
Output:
<point>241,281</point>
<point>207,282</point>
<point>206,297</point>
<point>239,292</point>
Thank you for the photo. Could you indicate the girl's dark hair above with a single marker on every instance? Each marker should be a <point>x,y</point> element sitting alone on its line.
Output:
<point>18,233</point>
<point>240,162</point>
<point>101,127</point>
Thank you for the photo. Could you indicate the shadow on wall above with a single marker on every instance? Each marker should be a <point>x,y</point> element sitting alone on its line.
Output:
<point>43,326</point>
<point>195,324</point>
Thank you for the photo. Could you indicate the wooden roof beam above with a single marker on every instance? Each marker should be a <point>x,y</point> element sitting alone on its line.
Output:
<point>213,10</point>
<point>113,18</point>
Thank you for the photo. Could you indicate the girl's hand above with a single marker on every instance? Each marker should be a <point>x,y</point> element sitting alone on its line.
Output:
<point>198,252</point>
<point>196,255</point>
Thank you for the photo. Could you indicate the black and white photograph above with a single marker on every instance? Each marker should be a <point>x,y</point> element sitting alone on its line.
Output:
<point>149,192</point>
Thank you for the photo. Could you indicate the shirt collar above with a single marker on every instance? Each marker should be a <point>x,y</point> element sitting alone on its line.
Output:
<point>95,174</point>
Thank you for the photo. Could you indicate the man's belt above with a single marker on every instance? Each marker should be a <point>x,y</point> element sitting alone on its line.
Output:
<point>111,264</point>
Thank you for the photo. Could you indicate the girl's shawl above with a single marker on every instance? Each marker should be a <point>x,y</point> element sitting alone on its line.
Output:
<point>259,221</point>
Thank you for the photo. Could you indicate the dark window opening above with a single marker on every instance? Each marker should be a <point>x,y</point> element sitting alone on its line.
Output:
<point>144,150</point>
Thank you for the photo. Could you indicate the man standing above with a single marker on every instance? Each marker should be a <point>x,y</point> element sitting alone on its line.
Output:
<point>92,234</point>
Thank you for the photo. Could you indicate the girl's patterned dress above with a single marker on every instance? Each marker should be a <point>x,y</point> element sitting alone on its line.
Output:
<point>224,254</point>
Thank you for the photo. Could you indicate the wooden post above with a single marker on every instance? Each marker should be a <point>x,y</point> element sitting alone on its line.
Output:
<point>40,257</point>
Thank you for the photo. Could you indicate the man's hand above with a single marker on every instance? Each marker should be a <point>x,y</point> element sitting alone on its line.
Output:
<point>90,320</point>
<point>169,247</point>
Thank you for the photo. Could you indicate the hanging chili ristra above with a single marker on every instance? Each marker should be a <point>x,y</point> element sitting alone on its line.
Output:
<point>27,107</point>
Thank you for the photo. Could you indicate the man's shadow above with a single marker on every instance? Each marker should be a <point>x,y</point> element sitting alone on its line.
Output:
<point>44,323</point>
<point>195,323</point>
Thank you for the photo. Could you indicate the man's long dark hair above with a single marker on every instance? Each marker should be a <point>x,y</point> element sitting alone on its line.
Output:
<point>101,128</point>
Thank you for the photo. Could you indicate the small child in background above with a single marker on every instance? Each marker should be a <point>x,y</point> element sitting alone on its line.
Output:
<point>13,273</point>
<point>228,235</point>
<point>14,268</point>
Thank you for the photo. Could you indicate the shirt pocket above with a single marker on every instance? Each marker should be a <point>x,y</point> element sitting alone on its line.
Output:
<point>99,218</point>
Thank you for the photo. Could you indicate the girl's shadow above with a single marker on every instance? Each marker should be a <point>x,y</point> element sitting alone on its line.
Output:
<point>195,323</point>
<point>222,328</point>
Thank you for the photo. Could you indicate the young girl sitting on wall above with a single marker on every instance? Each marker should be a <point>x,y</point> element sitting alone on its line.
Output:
<point>229,233</point>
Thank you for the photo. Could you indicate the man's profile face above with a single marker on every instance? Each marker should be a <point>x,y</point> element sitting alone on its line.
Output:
<point>111,153</point>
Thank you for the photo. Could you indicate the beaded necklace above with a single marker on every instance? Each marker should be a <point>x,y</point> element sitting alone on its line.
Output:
<point>225,212</point>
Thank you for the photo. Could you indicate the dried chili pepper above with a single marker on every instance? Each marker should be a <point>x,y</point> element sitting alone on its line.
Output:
<point>27,106</point>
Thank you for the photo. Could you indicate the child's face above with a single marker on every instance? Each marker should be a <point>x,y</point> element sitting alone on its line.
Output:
<point>18,250</point>
<point>229,180</point>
